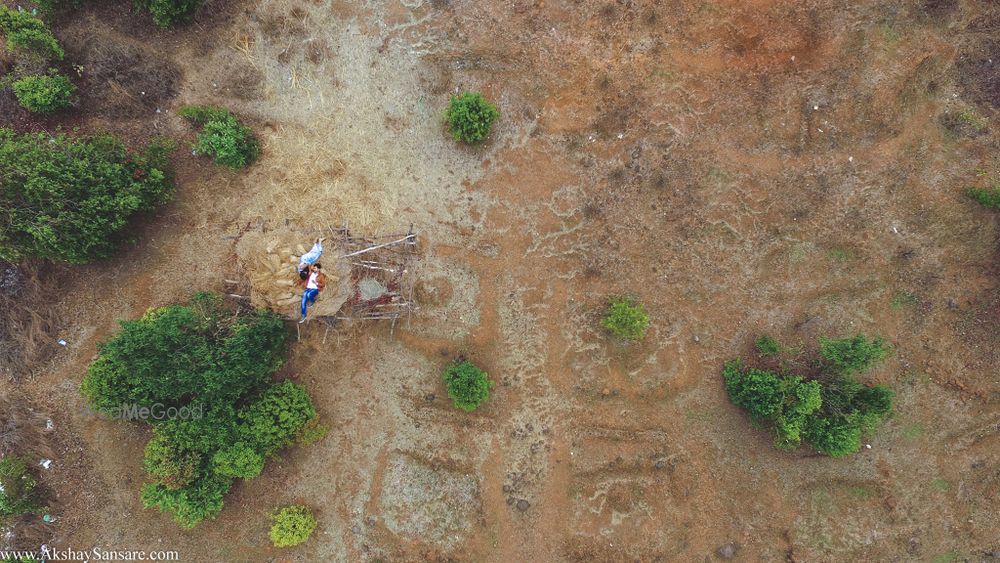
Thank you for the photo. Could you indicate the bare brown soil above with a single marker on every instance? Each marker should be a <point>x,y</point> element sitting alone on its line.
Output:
<point>742,167</point>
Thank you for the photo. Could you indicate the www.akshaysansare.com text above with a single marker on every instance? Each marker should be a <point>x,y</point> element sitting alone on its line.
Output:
<point>87,555</point>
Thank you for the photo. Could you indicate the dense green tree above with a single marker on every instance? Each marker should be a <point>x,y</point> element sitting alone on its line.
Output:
<point>69,199</point>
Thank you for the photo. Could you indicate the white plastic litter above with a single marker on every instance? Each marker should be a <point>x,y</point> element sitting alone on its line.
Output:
<point>62,342</point>
<point>45,463</point>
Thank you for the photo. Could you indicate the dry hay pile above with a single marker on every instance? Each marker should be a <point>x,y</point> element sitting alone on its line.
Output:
<point>25,326</point>
<point>270,260</point>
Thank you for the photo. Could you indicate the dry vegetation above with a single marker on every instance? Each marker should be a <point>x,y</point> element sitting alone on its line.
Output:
<point>790,168</point>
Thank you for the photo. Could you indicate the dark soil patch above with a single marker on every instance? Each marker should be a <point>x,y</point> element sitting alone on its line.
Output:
<point>121,78</point>
<point>978,73</point>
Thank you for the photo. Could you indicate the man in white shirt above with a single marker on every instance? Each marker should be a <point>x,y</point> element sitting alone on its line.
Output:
<point>315,283</point>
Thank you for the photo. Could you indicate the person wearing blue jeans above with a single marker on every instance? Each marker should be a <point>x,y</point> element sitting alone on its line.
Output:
<point>316,281</point>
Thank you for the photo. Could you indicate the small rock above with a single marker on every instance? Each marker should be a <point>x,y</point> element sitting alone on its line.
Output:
<point>696,338</point>
<point>606,392</point>
<point>523,505</point>
<point>356,529</point>
<point>726,551</point>
<point>506,488</point>
<point>660,463</point>
<point>429,397</point>
<point>952,304</point>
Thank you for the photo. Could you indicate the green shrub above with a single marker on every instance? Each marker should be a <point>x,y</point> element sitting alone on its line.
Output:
<point>274,420</point>
<point>169,12</point>
<point>855,354</point>
<point>168,462</point>
<point>191,504</point>
<point>470,117</point>
<point>760,392</point>
<point>44,93</point>
<point>468,386</point>
<point>223,137</point>
<point>990,197</point>
<point>238,460</point>
<point>626,318</point>
<point>19,493</point>
<point>830,415</point>
<point>29,35</point>
<point>767,346</point>
<point>215,362</point>
<point>69,198</point>
<point>182,351</point>
<point>292,525</point>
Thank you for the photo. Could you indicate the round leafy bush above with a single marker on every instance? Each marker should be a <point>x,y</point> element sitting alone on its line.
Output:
<point>223,136</point>
<point>855,354</point>
<point>169,12</point>
<point>238,460</point>
<point>19,492</point>
<point>767,346</point>
<point>28,35</point>
<point>274,420</point>
<point>468,386</point>
<point>42,93</point>
<point>69,198</point>
<point>626,318</point>
<point>292,525</point>
<point>989,197</point>
<point>470,117</point>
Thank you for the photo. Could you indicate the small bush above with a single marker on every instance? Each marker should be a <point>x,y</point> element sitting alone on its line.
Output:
<point>274,420</point>
<point>29,35</point>
<point>830,415</point>
<point>44,93</point>
<point>626,318</point>
<point>68,199</point>
<point>767,346</point>
<point>169,463</point>
<point>468,386</point>
<point>167,13</point>
<point>292,525</point>
<point>19,492</point>
<point>238,460</point>
<point>223,137</point>
<point>470,117</point>
<point>191,504</point>
<point>989,197</point>
<point>855,354</point>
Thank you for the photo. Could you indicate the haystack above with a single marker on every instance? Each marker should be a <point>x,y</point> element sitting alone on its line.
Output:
<point>270,260</point>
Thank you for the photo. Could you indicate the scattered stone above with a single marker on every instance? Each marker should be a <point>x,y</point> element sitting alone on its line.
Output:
<point>660,463</point>
<point>952,304</point>
<point>606,392</point>
<point>696,338</point>
<point>726,551</point>
<point>523,505</point>
<point>371,289</point>
<point>429,397</point>
<point>506,488</point>
<point>356,529</point>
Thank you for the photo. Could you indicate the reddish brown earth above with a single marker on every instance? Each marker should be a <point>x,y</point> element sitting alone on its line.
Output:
<point>791,168</point>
